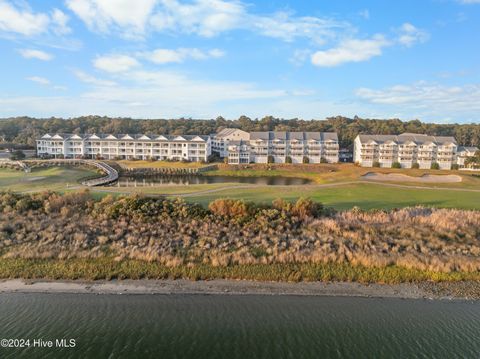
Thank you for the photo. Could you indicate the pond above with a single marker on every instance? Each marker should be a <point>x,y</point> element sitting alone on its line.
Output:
<point>147,181</point>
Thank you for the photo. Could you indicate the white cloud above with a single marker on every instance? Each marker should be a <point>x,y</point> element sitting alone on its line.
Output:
<point>39,80</point>
<point>104,15</point>
<point>300,56</point>
<point>115,63</point>
<point>60,22</point>
<point>287,27</point>
<point>351,50</point>
<point>409,35</point>
<point>89,79</point>
<point>35,54</point>
<point>205,18</point>
<point>365,14</point>
<point>164,56</point>
<point>22,20</point>
<point>427,99</point>
<point>148,94</point>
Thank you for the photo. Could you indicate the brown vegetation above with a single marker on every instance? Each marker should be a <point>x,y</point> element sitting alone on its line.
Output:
<point>232,233</point>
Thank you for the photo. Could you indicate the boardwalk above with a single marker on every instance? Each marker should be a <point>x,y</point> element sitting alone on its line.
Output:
<point>111,173</point>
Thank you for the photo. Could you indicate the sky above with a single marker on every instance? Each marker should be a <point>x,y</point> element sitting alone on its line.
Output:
<point>409,59</point>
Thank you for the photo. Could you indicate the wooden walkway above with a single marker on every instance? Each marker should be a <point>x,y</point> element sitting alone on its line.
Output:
<point>111,174</point>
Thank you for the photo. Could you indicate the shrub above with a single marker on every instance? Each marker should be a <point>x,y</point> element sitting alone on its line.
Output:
<point>323,160</point>
<point>270,159</point>
<point>435,166</point>
<point>416,165</point>
<point>396,165</point>
<point>455,166</point>
<point>288,159</point>
<point>376,164</point>
<point>230,208</point>
<point>306,159</point>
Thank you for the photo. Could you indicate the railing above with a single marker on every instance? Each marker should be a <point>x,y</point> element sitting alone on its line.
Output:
<point>111,173</point>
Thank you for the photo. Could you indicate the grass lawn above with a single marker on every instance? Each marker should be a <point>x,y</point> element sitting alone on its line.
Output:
<point>363,195</point>
<point>41,179</point>
<point>159,164</point>
<point>342,195</point>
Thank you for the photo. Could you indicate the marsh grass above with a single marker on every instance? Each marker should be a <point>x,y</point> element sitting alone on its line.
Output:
<point>75,236</point>
<point>109,268</point>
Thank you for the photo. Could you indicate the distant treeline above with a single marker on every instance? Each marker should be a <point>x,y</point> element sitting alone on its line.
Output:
<point>24,130</point>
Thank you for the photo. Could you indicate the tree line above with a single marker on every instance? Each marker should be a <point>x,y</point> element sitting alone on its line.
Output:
<point>24,130</point>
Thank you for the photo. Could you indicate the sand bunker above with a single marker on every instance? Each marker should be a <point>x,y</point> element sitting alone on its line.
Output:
<point>397,177</point>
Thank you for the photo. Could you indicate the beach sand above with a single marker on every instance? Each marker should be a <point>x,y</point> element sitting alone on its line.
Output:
<point>459,290</point>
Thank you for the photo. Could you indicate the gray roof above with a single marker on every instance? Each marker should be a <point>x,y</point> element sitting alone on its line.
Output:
<point>408,137</point>
<point>227,132</point>
<point>467,148</point>
<point>119,136</point>
<point>301,136</point>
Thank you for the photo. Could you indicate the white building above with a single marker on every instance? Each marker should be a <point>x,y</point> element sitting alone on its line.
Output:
<point>222,139</point>
<point>406,149</point>
<point>463,153</point>
<point>283,147</point>
<point>109,146</point>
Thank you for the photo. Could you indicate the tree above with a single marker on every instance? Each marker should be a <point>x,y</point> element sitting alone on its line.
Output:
<point>473,161</point>
<point>376,164</point>
<point>306,159</point>
<point>17,155</point>
<point>416,165</point>
<point>435,166</point>
<point>396,165</point>
<point>288,159</point>
<point>270,159</point>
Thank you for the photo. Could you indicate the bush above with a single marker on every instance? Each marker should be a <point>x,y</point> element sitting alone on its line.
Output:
<point>323,160</point>
<point>306,159</point>
<point>230,208</point>
<point>376,164</point>
<point>435,166</point>
<point>396,165</point>
<point>455,167</point>
<point>288,159</point>
<point>416,165</point>
<point>270,159</point>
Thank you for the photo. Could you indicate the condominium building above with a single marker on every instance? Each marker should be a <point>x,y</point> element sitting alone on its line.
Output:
<point>282,147</point>
<point>110,146</point>
<point>463,153</point>
<point>222,139</point>
<point>407,150</point>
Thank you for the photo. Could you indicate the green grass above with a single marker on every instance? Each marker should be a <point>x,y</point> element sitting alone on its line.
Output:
<point>108,268</point>
<point>363,195</point>
<point>344,196</point>
<point>41,179</point>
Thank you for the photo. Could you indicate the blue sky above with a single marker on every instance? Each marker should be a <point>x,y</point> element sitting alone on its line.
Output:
<point>205,58</point>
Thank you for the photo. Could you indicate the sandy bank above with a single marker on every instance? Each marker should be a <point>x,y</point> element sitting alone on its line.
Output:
<point>398,177</point>
<point>461,290</point>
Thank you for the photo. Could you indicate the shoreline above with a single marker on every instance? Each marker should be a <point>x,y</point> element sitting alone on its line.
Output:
<point>424,290</point>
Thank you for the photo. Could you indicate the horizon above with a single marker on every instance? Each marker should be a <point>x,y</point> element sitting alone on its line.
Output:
<point>156,59</point>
